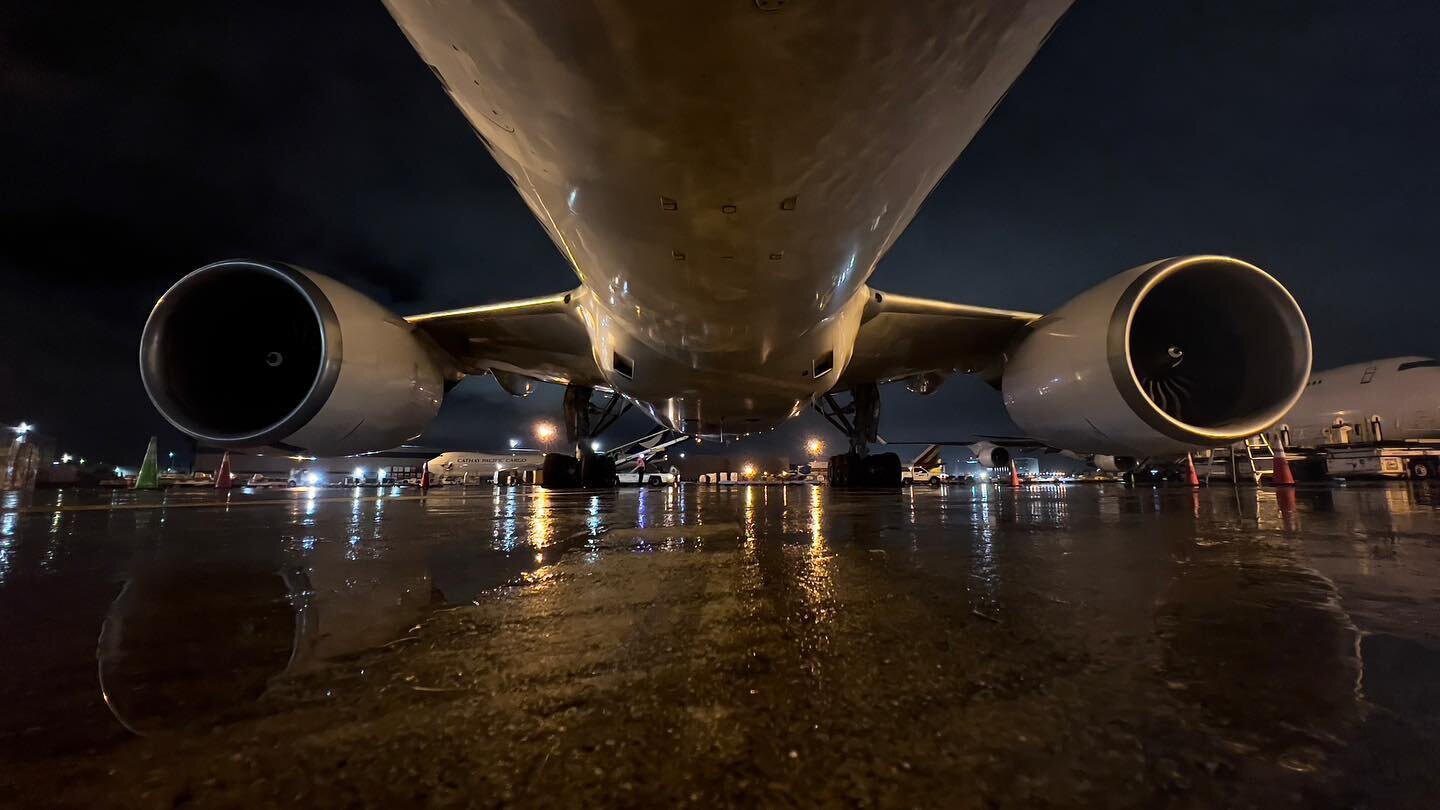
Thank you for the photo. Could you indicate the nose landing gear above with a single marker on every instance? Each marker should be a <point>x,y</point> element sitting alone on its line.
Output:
<point>860,421</point>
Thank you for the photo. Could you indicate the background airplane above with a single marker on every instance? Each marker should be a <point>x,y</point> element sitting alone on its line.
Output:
<point>1390,399</point>
<point>481,466</point>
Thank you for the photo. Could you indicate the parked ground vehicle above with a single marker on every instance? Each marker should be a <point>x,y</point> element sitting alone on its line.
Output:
<point>1416,460</point>
<point>917,474</point>
<point>651,478</point>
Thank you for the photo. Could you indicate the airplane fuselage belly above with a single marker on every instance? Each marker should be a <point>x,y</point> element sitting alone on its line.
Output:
<point>721,177</point>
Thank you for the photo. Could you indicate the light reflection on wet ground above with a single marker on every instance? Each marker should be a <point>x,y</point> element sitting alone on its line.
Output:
<point>774,645</point>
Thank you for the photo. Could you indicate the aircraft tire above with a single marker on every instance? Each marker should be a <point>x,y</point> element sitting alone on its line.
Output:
<point>560,471</point>
<point>1422,469</point>
<point>882,470</point>
<point>597,472</point>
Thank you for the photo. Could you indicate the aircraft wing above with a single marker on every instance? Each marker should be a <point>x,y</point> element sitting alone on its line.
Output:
<point>538,338</point>
<point>902,337</point>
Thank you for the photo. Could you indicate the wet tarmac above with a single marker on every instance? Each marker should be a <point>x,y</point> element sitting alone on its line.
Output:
<point>781,646</point>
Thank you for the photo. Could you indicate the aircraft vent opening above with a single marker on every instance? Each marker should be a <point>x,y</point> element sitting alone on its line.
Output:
<point>824,364</point>
<point>622,365</point>
<point>232,350</point>
<point>1213,345</point>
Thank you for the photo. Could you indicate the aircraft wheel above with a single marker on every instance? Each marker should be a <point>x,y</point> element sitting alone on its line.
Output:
<point>850,470</point>
<point>560,471</point>
<point>1422,469</point>
<point>882,470</point>
<point>597,471</point>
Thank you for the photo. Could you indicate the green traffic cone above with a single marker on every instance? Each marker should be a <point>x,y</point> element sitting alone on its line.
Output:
<point>149,475</point>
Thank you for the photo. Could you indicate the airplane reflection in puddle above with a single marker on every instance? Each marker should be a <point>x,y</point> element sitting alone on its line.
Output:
<point>187,638</point>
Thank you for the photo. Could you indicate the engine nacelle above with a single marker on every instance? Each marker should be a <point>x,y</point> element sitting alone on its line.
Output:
<point>990,455</point>
<point>245,354</point>
<point>1182,353</point>
<point>1112,464</point>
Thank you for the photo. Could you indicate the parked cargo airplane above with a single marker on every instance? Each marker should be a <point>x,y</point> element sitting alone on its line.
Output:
<point>723,178</point>
<point>1391,399</point>
<point>460,463</point>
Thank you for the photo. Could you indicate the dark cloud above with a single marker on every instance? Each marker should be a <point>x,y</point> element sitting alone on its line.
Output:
<point>140,141</point>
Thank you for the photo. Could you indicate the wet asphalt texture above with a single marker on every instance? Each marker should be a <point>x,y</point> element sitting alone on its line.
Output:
<point>1058,646</point>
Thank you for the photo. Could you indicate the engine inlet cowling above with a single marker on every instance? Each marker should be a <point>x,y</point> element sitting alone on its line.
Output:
<point>1182,353</point>
<point>246,354</point>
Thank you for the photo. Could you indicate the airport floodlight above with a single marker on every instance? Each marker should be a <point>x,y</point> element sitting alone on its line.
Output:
<point>594,447</point>
<point>65,458</point>
<point>514,443</point>
<point>359,472</point>
<point>312,478</point>
<point>748,470</point>
<point>545,432</point>
<point>814,446</point>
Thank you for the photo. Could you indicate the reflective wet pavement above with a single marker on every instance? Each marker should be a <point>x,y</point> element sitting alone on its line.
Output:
<point>1079,645</point>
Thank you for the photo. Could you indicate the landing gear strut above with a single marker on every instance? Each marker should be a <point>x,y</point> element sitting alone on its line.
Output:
<point>860,420</point>
<point>583,422</point>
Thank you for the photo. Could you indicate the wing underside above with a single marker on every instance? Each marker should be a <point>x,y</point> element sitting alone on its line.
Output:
<point>538,338</point>
<point>902,337</point>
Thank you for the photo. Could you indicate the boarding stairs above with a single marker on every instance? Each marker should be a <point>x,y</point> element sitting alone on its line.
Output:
<point>1250,461</point>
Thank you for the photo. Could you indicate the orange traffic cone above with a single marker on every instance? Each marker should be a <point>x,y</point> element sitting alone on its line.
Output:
<point>222,478</point>
<point>1191,477</point>
<point>1282,476</point>
<point>1014,475</point>
<point>424,477</point>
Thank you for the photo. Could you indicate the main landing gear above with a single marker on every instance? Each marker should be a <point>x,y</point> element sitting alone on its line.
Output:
<point>583,422</point>
<point>860,420</point>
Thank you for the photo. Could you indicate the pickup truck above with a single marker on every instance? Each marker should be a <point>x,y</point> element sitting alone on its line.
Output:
<point>920,475</point>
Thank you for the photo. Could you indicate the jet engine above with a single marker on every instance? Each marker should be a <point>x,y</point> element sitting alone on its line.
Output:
<point>1112,464</point>
<point>244,354</point>
<point>1182,353</point>
<point>990,454</point>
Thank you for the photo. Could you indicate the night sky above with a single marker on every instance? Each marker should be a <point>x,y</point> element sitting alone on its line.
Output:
<point>139,142</point>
